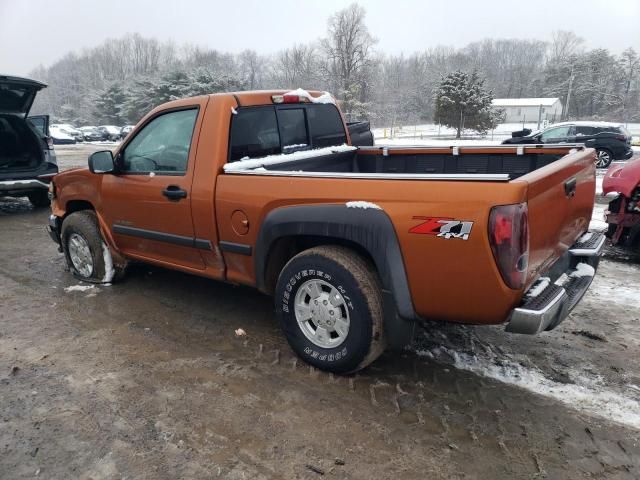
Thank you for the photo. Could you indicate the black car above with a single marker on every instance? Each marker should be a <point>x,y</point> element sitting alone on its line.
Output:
<point>27,158</point>
<point>611,141</point>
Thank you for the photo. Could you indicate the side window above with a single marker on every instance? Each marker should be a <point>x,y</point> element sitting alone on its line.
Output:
<point>293,128</point>
<point>254,133</point>
<point>582,131</point>
<point>557,133</point>
<point>326,126</point>
<point>162,145</point>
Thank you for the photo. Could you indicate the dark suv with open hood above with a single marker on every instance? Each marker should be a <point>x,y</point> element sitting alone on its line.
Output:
<point>27,159</point>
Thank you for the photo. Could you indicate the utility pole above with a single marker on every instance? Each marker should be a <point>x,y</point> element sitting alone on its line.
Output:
<point>566,111</point>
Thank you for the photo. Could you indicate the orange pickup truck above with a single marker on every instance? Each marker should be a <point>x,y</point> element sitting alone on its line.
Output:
<point>356,244</point>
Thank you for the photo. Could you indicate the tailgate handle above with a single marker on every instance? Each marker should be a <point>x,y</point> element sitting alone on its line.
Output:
<point>570,187</point>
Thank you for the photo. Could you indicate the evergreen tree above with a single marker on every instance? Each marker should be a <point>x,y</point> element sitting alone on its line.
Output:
<point>462,101</point>
<point>109,105</point>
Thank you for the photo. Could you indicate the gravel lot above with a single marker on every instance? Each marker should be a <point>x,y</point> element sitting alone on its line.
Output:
<point>147,379</point>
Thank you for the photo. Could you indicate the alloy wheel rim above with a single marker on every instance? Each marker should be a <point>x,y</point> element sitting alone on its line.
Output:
<point>80,255</point>
<point>322,313</point>
<point>603,159</point>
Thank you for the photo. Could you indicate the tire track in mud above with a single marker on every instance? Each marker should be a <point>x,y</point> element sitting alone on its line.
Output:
<point>470,416</point>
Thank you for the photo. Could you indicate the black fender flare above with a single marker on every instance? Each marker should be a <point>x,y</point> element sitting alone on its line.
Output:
<point>369,228</point>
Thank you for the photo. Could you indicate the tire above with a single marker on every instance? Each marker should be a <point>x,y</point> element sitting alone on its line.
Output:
<point>39,199</point>
<point>604,158</point>
<point>87,255</point>
<point>340,274</point>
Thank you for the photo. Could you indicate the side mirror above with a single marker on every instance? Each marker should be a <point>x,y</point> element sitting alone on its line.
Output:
<point>102,162</point>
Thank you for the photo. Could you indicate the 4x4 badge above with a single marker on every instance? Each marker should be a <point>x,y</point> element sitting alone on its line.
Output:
<point>443,227</point>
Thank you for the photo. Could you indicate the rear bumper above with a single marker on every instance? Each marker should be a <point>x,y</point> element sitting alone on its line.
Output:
<point>628,154</point>
<point>18,186</point>
<point>545,307</point>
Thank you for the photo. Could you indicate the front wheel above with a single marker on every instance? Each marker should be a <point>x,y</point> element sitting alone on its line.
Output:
<point>329,303</point>
<point>87,255</point>
<point>603,158</point>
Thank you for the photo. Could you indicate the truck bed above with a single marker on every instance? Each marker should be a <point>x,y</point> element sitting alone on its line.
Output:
<point>465,163</point>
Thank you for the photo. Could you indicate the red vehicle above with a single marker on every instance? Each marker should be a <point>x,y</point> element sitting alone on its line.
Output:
<point>623,215</point>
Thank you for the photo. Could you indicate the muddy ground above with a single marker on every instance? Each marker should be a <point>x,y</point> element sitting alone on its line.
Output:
<point>147,379</point>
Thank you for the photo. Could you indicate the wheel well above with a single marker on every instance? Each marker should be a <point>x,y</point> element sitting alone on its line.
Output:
<point>285,248</point>
<point>77,205</point>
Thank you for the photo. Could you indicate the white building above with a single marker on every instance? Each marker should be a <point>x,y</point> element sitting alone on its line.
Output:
<point>529,110</point>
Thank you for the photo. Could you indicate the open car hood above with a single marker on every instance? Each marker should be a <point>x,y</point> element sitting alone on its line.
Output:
<point>17,94</point>
<point>622,178</point>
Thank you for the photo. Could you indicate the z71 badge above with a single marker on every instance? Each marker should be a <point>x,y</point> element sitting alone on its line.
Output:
<point>443,227</point>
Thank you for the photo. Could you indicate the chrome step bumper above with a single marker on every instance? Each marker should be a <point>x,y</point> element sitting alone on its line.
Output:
<point>547,304</point>
<point>22,185</point>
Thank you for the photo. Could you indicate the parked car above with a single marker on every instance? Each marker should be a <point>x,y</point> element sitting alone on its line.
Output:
<point>27,158</point>
<point>611,140</point>
<point>126,130</point>
<point>60,136</point>
<point>111,132</point>
<point>356,244</point>
<point>623,214</point>
<point>92,134</point>
<point>69,130</point>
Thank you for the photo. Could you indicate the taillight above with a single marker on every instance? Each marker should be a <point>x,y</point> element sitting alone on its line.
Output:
<point>509,239</point>
<point>621,137</point>
<point>49,143</point>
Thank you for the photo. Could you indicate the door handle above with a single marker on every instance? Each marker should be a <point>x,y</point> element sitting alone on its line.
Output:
<point>174,193</point>
<point>570,187</point>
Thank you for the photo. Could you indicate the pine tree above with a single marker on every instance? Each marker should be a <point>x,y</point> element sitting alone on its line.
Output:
<point>109,105</point>
<point>462,101</point>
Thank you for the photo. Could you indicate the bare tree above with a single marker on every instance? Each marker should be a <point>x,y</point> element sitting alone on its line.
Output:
<point>348,50</point>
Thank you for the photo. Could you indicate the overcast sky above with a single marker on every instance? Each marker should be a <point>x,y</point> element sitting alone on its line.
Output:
<point>34,32</point>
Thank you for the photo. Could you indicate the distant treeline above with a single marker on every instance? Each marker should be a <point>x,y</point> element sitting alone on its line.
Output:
<point>120,80</point>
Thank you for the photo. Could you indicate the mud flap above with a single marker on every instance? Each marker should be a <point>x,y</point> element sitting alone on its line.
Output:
<point>399,332</point>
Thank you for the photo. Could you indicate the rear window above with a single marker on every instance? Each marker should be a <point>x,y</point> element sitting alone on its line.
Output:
<point>293,128</point>
<point>326,126</point>
<point>260,131</point>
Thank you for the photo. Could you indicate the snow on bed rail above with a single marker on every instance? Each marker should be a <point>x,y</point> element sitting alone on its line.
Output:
<point>364,205</point>
<point>324,98</point>
<point>251,163</point>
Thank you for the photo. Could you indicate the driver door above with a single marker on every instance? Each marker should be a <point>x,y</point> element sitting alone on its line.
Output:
<point>147,203</point>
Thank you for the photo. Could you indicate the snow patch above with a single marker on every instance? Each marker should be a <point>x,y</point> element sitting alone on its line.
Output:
<point>109,271</point>
<point>586,237</point>
<point>234,111</point>
<point>324,98</point>
<point>586,394</point>
<point>78,288</point>
<point>363,205</point>
<point>583,270</point>
<point>246,163</point>
<point>539,287</point>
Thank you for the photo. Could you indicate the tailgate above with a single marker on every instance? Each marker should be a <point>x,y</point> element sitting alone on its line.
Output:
<point>560,200</point>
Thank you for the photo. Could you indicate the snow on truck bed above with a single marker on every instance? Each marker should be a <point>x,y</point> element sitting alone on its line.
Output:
<point>247,163</point>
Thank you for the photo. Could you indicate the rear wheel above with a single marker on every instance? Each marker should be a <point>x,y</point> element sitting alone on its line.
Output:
<point>603,158</point>
<point>329,303</point>
<point>39,199</point>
